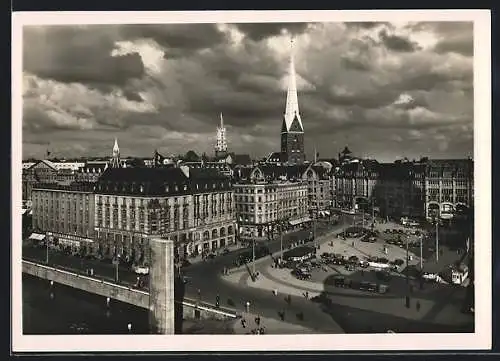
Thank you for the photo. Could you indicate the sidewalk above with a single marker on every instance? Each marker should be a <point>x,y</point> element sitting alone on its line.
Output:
<point>270,325</point>
<point>443,312</point>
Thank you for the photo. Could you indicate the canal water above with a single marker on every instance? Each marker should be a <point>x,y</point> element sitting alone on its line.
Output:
<point>61,310</point>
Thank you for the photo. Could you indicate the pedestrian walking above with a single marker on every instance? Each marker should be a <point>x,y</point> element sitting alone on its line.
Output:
<point>418,306</point>
<point>307,295</point>
<point>243,323</point>
<point>275,292</point>
<point>247,306</point>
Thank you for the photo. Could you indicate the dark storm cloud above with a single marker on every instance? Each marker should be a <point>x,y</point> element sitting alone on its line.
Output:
<point>397,43</point>
<point>73,54</point>
<point>456,45</point>
<point>352,63</point>
<point>456,37</point>
<point>364,24</point>
<point>177,37</point>
<point>131,95</point>
<point>260,31</point>
<point>351,89</point>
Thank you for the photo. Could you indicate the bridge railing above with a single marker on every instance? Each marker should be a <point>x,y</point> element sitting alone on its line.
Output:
<point>224,311</point>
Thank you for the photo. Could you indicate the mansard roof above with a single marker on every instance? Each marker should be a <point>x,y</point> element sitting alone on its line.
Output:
<point>161,181</point>
<point>85,187</point>
<point>400,171</point>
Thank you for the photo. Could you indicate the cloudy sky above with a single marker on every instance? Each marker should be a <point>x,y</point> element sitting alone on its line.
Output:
<point>386,90</point>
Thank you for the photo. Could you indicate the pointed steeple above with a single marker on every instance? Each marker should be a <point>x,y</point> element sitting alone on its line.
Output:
<point>292,114</point>
<point>221,144</point>
<point>115,160</point>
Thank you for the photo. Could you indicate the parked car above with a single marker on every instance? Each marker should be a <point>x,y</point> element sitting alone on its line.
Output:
<point>141,270</point>
<point>301,273</point>
<point>430,276</point>
<point>338,281</point>
<point>363,264</point>
<point>225,251</point>
<point>398,262</point>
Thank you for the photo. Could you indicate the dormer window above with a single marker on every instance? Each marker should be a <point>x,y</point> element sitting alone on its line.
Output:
<point>197,186</point>
<point>166,188</point>
<point>141,189</point>
<point>185,187</point>
<point>176,188</point>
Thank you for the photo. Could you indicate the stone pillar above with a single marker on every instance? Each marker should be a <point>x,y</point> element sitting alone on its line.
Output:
<point>161,286</point>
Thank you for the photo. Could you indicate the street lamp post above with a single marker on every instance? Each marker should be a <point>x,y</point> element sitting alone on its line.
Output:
<point>437,240</point>
<point>117,262</point>
<point>253,262</point>
<point>421,253</point>
<point>373,210</point>
<point>281,241</point>
<point>407,276</point>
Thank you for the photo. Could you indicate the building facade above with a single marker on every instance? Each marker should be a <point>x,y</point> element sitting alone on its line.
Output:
<point>45,171</point>
<point>65,213</point>
<point>400,190</point>
<point>354,183</point>
<point>194,207</point>
<point>319,188</point>
<point>449,187</point>
<point>261,204</point>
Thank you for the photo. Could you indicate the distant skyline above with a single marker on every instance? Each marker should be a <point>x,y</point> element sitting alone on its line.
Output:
<point>385,90</point>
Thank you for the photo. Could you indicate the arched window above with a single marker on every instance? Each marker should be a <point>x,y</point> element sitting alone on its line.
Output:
<point>222,232</point>
<point>206,235</point>
<point>230,230</point>
<point>214,234</point>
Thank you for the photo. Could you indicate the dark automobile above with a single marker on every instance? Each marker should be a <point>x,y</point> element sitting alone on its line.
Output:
<point>225,251</point>
<point>353,259</point>
<point>367,286</point>
<point>398,262</point>
<point>338,281</point>
<point>350,266</point>
<point>301,273</point>
<point>337,261</point>
<point>325,255</point>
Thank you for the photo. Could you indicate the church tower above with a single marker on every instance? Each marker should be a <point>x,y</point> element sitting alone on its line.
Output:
<point>221,145</point>
<point>292,131</point>
<point>115,160</point>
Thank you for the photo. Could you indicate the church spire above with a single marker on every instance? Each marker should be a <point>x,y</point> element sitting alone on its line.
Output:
<point>292,102</point>
<point>221,145</point>
<point>115,160</point>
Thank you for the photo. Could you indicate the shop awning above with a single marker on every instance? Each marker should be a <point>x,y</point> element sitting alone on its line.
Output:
<point>69,242</point>
<point>37,236</point>
<point>295,222</point>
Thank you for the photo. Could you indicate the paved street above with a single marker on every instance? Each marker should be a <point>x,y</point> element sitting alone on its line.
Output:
<point>205,276</point>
